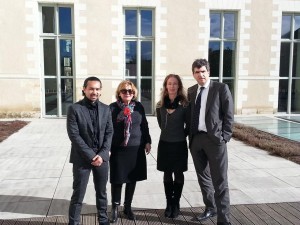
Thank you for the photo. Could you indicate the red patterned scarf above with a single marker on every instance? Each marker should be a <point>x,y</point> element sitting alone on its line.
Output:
<point>125,115</point>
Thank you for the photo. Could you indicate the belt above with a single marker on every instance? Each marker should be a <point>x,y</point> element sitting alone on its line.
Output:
<point>201,132</point>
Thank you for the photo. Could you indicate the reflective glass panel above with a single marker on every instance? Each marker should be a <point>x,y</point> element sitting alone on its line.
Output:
<point>297,28</point>
<point>295,103</point>
<point>51,96</point>
<point>215,25</point>
<point>49,57</point>
<point>229,25</point>
<point>229,59</point>
<point>66,94</point>
<point>130,22</point>
<point>131,67</point>
<point>146,58</point>
<point>282,95</point>
<point>146,22</point>
<point>48,19</point>
<point>284,60</point>
<point>65,21</point>
<point>146,95</point>
<point>296,60</point>
<point>214,58</point>
<point>66,57</point>
<point>286,27</point>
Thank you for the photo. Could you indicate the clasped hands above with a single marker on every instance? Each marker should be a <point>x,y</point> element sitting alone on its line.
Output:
<point>97,161</point>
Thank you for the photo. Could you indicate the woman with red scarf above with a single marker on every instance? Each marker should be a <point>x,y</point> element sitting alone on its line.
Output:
<point>130,141</point>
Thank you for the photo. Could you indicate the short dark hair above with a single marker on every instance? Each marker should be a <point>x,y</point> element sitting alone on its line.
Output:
<point>90,79</point>
<point>198,63</point>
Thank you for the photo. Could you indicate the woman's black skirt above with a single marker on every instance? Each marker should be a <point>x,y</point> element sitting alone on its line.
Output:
<point>127,164</point>
<point>172,156</point>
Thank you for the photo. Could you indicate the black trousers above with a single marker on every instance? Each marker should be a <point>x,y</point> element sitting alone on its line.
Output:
<point>211,165</point>
<point>80,180</point>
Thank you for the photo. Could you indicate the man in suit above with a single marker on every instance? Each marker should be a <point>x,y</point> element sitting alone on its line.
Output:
<point>210,128</point>
<point>90,130</point>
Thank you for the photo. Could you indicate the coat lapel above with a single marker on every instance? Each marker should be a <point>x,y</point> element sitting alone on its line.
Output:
<point>88,118</point>
<point>193,96</point>
<point>211,93</point>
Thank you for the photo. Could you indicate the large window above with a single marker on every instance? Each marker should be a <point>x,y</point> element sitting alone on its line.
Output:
<point>139,53</point>
<point>222,47</point>
<point>57,38</point>
<point>289,72</point>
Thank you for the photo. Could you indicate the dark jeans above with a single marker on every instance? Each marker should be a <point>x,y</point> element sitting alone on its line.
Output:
<point>80,180</point>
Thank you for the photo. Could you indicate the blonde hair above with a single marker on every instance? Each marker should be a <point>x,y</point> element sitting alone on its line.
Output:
<point>123,85</point>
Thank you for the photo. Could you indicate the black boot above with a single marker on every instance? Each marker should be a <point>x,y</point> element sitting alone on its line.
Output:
<point>129,191</point>
<point>169,196</point>
<point>177,195</point>
<point>116,190</point>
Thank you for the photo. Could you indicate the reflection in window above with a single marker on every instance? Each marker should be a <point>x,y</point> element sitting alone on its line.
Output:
<point>229,59</point>
<point>286,27</point>
<point>214,57</point>
<point>289,70</point>
<point>49,57</point>
<point>146,22</point>
<point>131,65</point>
<point>65,22</point>
<point>146,58</point>
<point>146,94</point>
<point>130,22</point>
<point>296,60</point>
<point>282,95</point>
<point>51,96</point>
<point>295,105</point>
<point>284,59</point>
<point>297,27</point>
<point>215,25</point>
<point>66,57</point>
<point>48,19</point>
<point>66,94</point>
<point>229,25</point>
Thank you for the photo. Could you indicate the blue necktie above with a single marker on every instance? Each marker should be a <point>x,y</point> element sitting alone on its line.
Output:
<point>196,114</point>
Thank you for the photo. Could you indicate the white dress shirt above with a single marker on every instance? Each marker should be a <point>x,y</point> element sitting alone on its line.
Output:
<point>202,125</point>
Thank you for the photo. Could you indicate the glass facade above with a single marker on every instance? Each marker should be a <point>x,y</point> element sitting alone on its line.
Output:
<point>139,54</point>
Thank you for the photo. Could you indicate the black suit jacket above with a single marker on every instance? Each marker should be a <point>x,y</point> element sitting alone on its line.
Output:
<point>80,131</point>
<point>219,114</point>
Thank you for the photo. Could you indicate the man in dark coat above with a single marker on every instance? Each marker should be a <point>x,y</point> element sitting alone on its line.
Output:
<point>211,119</point>
<point>90,130</point>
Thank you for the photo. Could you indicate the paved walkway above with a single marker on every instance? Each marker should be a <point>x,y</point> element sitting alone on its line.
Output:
<point>36,178</point>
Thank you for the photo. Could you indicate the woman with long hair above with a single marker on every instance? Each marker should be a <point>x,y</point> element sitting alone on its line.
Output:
<point>172,153</point>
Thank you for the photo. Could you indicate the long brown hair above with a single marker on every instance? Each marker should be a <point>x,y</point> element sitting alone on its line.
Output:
<point>180,93</point>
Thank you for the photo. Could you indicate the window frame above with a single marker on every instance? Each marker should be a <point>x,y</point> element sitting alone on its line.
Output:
<point>57,37</point>
<point>291,41</point>
<point>138,38</point>
<point>222,40</point>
